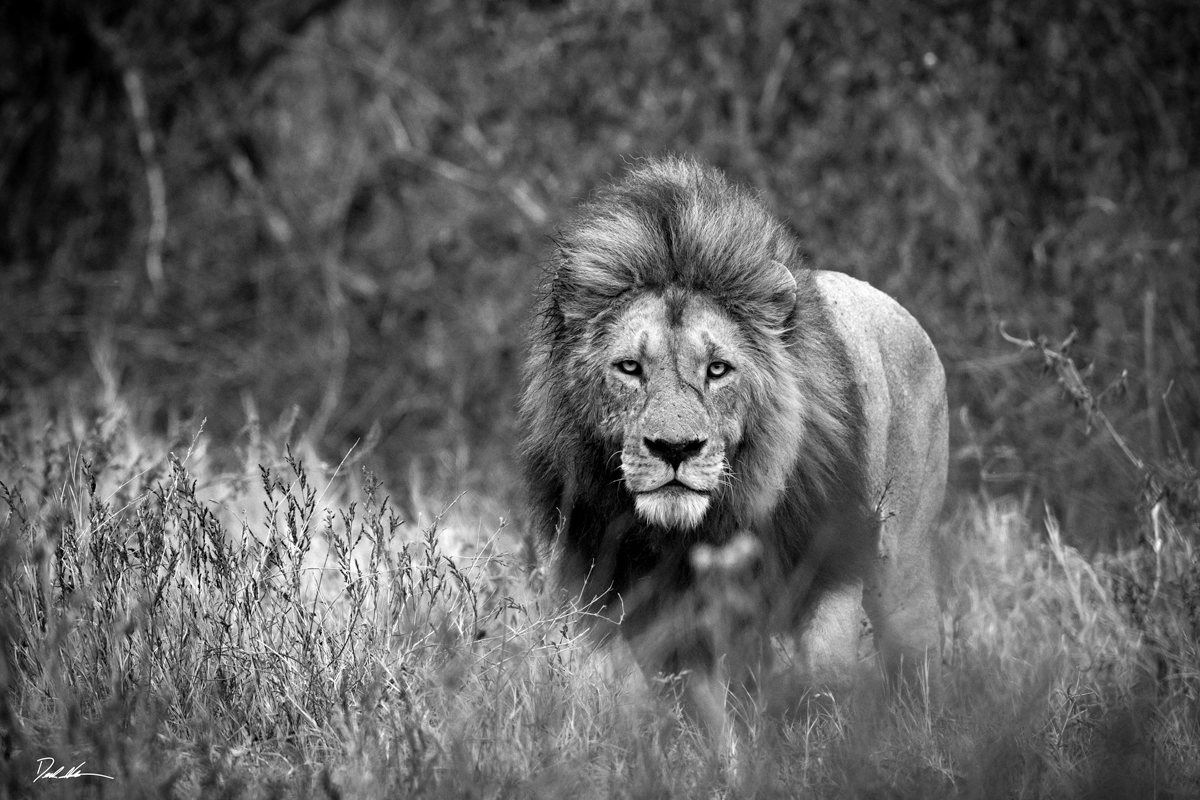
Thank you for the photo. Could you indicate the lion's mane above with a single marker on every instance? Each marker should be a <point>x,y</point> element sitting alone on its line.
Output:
<point>796,479</point>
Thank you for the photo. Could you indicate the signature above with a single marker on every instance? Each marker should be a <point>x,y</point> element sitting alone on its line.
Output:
<point>46,770</point>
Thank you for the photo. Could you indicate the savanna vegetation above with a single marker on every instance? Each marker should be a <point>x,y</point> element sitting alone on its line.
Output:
<point>265,271</point>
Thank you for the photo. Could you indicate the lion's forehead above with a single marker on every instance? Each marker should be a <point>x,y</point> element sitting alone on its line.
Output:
<point>688,329</point>
<point>642,327</point>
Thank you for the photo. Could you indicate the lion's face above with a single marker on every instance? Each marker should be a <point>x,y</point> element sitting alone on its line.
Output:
<point>675,365</point>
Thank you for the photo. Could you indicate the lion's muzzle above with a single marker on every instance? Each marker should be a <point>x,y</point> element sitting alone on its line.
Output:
<point>672,480</point>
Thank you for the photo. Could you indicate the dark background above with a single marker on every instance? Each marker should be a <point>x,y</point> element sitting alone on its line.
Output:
<point>227,210</point>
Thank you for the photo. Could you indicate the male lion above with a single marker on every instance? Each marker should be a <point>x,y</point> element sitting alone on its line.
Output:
<point>698,405</point>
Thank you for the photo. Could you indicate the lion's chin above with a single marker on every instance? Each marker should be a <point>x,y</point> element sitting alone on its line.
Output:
<point>672,507</point>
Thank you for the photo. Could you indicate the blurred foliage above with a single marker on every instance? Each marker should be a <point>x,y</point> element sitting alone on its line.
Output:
<point>229,208</point>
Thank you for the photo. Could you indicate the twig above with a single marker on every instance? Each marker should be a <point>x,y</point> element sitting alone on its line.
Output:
<point>155,183</point>
<point>290,29</point>
<point>1072,380</point>
<point>278,227</point>
<point>1179,449</point>
<point>774,80</point>
<point>1148,308</point>
<point>518,191</point>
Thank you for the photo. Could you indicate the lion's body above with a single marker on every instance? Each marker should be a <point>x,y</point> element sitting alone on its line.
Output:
<point>688,384</point>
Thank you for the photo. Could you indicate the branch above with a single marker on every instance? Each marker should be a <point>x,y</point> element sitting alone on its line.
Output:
<point>1057,360</point>
<point>139,110</point>
<point>155,182</point>
<point>289,30</point>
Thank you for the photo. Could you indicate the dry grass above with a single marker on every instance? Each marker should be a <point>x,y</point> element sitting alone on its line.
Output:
<point>280,632</point>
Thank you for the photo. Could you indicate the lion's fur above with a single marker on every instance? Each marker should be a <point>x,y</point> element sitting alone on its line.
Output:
<point>799,476</point>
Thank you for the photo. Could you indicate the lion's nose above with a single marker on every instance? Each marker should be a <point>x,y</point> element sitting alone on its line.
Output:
<point>674,453</point>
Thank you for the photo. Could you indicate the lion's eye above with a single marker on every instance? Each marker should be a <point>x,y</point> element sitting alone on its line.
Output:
<point>719,369</point>
<point>629,367</point>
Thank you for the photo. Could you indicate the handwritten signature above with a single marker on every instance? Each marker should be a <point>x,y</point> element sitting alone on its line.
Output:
<point>46,770</point>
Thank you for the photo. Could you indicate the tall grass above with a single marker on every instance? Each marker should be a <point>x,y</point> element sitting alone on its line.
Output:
<point>280,631</point>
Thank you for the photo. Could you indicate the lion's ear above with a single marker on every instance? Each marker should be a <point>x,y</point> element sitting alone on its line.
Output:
<point>781,288</point>
<point>582,288</point>
<point>574,308</point>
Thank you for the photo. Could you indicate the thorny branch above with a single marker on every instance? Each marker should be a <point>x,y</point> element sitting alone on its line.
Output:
<point>1073,381</point>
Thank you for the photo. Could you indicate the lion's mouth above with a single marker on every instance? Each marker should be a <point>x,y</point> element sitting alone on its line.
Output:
<point>674,504</point>
<point>675,486</point>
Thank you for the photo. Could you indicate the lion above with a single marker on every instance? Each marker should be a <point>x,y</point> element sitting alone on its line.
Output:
<point>691,389</point>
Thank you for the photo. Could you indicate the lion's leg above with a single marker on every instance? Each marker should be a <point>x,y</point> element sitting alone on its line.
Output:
<point>828,641</point>
<point>901,591</point>
<point>901,595</point>
<point>709,646</point>
<point>903,608</point>
<point>696,683</point>
<point>705,696</point>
